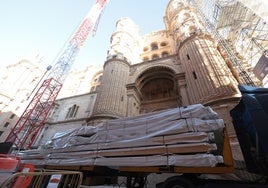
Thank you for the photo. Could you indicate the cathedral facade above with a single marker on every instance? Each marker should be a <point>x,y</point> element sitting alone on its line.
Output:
<point>177,66</point>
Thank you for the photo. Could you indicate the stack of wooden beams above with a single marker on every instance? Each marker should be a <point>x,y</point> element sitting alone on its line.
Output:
<point>185,136</point>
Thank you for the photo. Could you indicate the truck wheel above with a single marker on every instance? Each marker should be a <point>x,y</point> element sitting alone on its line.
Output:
<point>178,182</point>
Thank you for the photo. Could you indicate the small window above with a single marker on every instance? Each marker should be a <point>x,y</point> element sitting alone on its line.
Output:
<point>92,89</point>
<point>154,46</point>
<point>188,57</point>
<point>122,98</point>
<point>155,56</point>
<point>72,111</point>
<point>216,12</point>
<point>186,15</point>
<point>145,59</point>
<point>192,30</point>
<point>180,5</point>
<point>163,44</point>
<point>165,54</point>
<point>68,113</point>
<point>6,124</point>
<point>12,116</point>
<point>145,49</point>
<point>194,74</point>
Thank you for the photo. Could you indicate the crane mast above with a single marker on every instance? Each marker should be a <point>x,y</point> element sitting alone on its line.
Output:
<point>26,130</point>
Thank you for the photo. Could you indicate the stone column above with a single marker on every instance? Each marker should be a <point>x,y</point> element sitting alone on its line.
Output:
<point>182,89</point>
<point>133,97</point>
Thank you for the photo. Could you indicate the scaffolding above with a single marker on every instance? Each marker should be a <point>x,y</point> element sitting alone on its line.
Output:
<point>241,33</point>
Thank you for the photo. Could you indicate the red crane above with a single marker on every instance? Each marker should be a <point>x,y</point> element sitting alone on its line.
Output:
<point>27,128</point>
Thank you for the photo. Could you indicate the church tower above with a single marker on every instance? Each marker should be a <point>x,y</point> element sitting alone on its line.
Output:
<point>111,100</point>
<point>208,78</point>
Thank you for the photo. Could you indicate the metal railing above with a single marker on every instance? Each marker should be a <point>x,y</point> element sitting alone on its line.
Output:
<point>44,179</point>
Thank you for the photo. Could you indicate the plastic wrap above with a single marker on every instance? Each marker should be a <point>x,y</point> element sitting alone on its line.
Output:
<point>103,134</point>
<point>180,137</point>
<point>198,159</point>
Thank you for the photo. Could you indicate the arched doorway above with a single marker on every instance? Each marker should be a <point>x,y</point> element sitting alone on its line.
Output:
<point>158,89</point>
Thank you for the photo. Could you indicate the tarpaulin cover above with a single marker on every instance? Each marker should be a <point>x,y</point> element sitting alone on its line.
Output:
<point>185,136</point>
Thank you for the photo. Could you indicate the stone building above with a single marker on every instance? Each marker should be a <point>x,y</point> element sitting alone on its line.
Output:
<point>16,85</point>
<point>75,106</point>
<point>177,66</point>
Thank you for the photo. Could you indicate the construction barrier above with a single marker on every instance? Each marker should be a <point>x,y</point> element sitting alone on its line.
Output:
<point>9,164</point>
<point>44,178</point>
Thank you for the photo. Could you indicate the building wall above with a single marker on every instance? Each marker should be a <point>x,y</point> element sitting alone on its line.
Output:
<point>16,85</point>
<point>156,45</point>
<point>18,81</point>
<point>207,75</point>
<point>68,113</point>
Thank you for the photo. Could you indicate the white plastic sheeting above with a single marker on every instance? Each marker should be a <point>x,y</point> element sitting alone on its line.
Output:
<point>182,136</point>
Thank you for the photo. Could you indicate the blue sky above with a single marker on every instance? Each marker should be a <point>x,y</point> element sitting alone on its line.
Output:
<point>31,27</point>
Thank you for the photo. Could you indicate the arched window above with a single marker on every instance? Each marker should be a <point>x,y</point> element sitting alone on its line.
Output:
<point>192,30</point>
<point>72,111</point>
<point>145,49</point>
<point>155,56</point>
<point>186,15</point>
<point>164,54</point>
<point>158,88</point>
<point>154,46</point>
<point>92,89</point>
<point>146,59</point>
<point>163,44</point>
